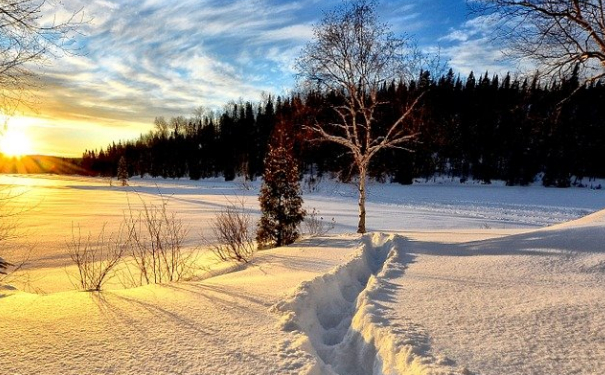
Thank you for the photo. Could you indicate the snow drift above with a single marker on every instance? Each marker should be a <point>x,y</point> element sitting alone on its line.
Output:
<point>529,303</point>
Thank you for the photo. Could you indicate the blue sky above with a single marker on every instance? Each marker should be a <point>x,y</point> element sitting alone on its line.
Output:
<point>144,58</point>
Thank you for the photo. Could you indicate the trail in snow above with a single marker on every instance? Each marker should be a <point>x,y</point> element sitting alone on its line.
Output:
<point>341,317</point>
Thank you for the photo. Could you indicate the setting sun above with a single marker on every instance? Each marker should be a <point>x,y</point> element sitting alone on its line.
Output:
<point>14,142</point>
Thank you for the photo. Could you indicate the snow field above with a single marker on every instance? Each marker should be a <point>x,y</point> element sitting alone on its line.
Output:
<point>473,287</point>
<point>221,325</point>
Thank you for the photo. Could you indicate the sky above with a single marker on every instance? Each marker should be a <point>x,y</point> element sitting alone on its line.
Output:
<point>138,59</point>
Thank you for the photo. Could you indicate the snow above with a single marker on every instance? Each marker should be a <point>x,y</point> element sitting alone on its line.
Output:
<point>455,279</point>
<point>342,313</point>
<point>530,303</point>
<point>218,326</point>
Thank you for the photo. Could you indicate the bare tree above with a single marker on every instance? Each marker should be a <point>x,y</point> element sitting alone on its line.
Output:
<point>199,112</point>
<point>353,55</point>
<point>161,126</point>
<point>26,41</point>
<point>178,124</point>
<point>8,229</point>
<point>559,35</point>
<point>27,38</point>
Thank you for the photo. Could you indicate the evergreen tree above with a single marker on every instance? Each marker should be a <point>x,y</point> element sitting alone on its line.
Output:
<point>123,171</point>
<point>280,200</point>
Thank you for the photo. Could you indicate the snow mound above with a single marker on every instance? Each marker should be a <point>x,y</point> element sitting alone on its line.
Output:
<point>578,238</point>
<point>339,319</point>
<point>529,303</point>
<point>594,219</point>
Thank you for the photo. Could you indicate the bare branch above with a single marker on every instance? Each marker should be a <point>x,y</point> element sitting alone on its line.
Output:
<point>559,35</point>
<point>26,42</point>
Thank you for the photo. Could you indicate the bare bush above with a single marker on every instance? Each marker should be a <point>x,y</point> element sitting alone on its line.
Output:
<point>232,230</point>
<point>95,259</point>
<point>315,225</point>
<point>156,242</point>
<point>148,249</point>
<point>7,230</point>
<point>8,214</point>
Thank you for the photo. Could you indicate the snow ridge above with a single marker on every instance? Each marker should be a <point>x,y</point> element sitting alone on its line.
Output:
<point>341,318</point>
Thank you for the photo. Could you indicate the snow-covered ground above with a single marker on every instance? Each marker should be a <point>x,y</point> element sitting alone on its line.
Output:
<point>455,279</point>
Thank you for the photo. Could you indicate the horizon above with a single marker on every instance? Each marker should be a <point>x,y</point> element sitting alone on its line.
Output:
<point>169,60</point>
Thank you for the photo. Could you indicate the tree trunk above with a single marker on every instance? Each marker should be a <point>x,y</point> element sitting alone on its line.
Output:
<point>361,227</point>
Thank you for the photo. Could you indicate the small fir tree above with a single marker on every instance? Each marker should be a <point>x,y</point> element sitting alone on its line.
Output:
<point>123,171</point>
<point>280,200</point>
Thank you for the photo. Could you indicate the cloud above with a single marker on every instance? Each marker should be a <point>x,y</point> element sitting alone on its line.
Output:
<point>141,59</point>
<point>470,47</point>
<point>477,27</point>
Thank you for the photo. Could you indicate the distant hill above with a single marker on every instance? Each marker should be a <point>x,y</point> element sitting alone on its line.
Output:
<point>32,164</point>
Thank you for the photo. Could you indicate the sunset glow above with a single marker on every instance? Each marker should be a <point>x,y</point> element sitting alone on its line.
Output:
<point>15,142</point>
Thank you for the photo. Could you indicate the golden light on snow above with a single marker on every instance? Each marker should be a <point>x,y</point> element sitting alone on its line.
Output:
<point>15,142</point>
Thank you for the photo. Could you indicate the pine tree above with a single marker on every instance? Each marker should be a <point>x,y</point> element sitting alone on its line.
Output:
<point>123,171</point>
<point>280,200</point>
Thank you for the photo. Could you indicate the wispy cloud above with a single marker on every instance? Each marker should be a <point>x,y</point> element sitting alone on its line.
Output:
<point>470,47</point>
<point>143,59</point>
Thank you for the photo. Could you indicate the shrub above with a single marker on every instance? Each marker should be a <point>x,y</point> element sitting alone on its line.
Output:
<point>231,228</point>
<point>315,225</point>
<point>122,174</point>
<point>149,247</point>
<point>95,259</point>
<point>156,244</point>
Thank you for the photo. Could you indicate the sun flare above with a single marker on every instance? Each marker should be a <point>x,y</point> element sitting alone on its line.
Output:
<point>14,142</point>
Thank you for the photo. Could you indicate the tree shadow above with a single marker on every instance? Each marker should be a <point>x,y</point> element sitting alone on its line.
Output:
<point>546,242</point>
<point>223,295</point>
<point>109,304</point>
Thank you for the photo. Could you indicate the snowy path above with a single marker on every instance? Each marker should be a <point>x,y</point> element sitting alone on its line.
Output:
<point>342,317</point>
<point>529,303</point>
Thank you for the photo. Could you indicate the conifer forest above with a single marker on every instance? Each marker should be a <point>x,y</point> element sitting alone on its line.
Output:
<point>482,127</point>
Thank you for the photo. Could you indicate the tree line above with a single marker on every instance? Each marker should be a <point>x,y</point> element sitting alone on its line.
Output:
<point>486,128</point>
